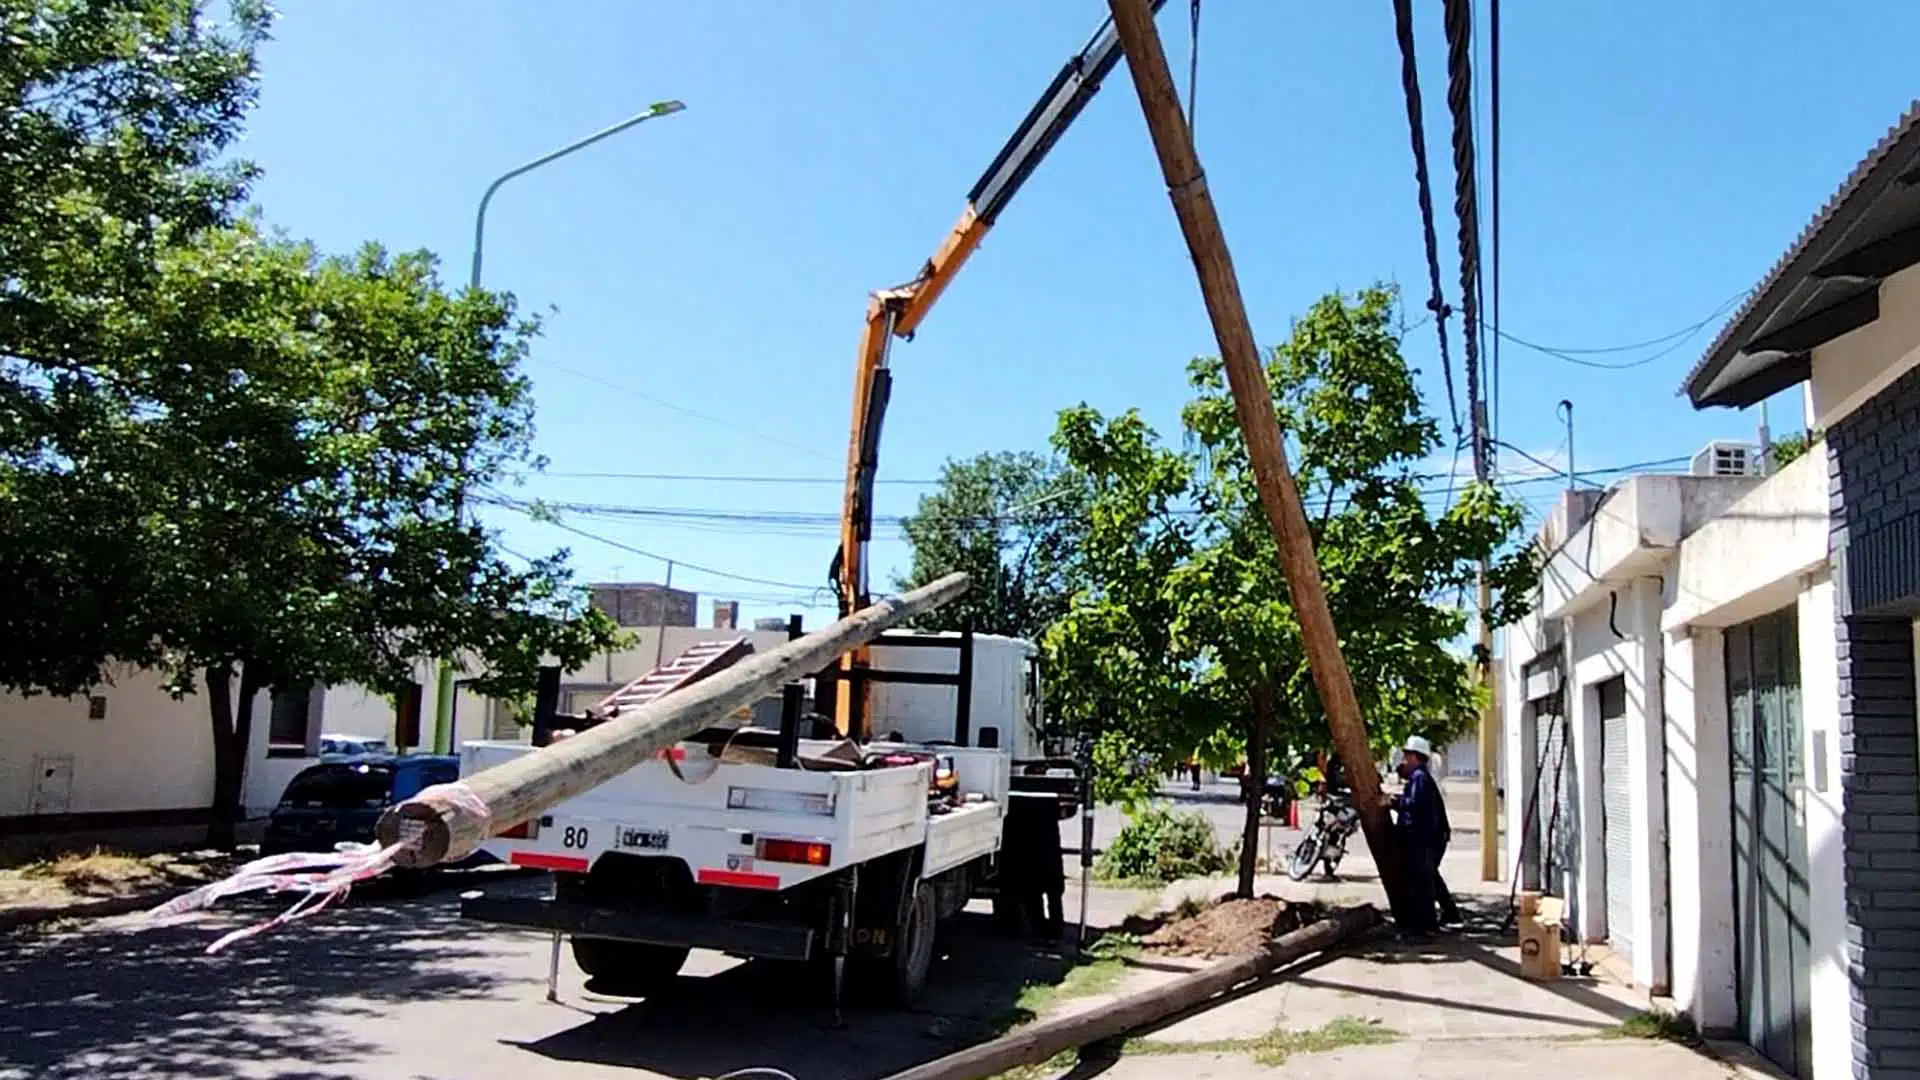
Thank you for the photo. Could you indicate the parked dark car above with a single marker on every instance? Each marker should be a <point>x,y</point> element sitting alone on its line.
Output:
<point>342,798</point>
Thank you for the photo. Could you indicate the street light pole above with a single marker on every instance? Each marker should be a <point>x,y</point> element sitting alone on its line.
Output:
<point>657,109</point>
<point>443,697</point>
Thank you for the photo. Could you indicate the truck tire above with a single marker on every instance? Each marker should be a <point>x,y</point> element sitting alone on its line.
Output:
<point>898,978</point>
<point>627,968</point>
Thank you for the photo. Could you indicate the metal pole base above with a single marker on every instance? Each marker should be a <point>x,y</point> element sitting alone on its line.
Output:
<point>553,970</point>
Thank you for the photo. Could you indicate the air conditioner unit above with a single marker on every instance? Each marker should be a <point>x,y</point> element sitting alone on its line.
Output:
<point>1726,459</point>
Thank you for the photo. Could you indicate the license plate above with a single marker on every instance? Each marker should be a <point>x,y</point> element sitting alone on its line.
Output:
<point>643,839</point>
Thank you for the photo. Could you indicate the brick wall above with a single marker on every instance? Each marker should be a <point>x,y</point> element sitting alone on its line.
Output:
<point>1873,460</point>
<point>1874,463</point>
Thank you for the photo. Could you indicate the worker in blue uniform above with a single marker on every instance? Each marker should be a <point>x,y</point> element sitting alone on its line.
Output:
<point>1421,819</point>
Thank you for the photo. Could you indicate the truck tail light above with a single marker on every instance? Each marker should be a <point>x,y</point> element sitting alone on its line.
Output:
<point>800,852</point>
<point>526,830</point>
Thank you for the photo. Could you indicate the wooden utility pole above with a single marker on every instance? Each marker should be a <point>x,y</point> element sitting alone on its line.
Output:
<point>448,821</point>
<point>1253,404</point>
<point>1489,742</point>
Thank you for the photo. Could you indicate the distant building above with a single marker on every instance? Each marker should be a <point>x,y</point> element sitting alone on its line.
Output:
<point>646,604</point>
<point>771,623</point>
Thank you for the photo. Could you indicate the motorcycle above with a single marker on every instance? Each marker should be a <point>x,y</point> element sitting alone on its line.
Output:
<point>1326,843</point>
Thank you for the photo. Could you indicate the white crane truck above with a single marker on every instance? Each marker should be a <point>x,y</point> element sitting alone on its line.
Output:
<point>785,844</point>
<point>773,843</point>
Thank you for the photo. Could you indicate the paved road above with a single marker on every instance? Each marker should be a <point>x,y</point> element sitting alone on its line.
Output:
<point>1219,801</point>
<point>398,988</point>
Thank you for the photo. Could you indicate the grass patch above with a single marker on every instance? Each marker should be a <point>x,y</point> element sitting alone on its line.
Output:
<point>1276,1046</point>
<point>100,873</point>
<point>1105,966</point>
<point>1102,970</point>
<point>1058,1063</point>
<point>1658,1024</point>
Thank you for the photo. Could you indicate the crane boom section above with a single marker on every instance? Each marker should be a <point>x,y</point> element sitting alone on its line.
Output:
<point>898,312</point>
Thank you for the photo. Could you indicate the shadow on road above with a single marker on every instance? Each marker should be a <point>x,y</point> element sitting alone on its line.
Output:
<point>102,1003</point>
<point>701,1029</point>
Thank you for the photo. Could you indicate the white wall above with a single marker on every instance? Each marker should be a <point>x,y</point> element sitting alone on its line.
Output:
<point>1826,869</point>
<point>149,752</point>
<point>1849,370</point>
<point>1620,637</point>
<point>1699,800</point>
<point>1748,561</point>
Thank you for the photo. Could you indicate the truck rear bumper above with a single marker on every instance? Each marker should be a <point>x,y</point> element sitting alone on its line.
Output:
<point>767,940</point>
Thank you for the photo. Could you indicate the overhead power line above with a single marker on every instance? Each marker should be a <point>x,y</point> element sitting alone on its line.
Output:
<point>1466,209</point>
<point>1417,131</point>
<point>734,519</point>
<point>528,510</point>
<point>721,478</point>
<point>663,403</point>
<point>1582,356</point>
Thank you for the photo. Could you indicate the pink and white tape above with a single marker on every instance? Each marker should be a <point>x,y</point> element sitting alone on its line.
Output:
<point>322,877</point>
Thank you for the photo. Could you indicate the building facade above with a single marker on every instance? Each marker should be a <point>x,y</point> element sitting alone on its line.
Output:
<point>1839,314</point>
<point>637,604</point>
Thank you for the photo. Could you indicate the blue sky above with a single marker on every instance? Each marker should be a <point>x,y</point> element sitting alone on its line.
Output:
<point>708,271</point>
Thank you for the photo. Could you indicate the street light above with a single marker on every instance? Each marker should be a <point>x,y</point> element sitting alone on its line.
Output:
<point>443,699</point>
<point>657,109</point>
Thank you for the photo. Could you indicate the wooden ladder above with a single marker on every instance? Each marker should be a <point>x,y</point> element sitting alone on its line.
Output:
<point>698,662</point>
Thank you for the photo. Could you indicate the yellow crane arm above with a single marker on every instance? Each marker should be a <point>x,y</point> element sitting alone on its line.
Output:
<point>898,312</point>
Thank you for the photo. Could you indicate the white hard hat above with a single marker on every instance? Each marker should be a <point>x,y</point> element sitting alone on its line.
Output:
<point>1418,745</point>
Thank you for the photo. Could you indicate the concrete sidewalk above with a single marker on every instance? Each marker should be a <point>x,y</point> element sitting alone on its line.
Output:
<point>1455,1008</point>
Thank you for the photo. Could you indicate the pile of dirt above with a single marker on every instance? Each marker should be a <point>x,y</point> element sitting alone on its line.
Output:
<point>1230,927</point>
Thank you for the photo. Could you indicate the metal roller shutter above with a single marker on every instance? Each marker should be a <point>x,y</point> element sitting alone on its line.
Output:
<point>1617,806</point>
<point>1558,829</point>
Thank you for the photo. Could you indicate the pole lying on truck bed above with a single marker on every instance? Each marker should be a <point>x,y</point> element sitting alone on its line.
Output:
<point>450,821</point>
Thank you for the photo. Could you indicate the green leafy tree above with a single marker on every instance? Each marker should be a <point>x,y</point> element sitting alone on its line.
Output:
<point>1113,671</point>
<point>1788,449</point>
<point>1231,671</point>
<point>1011,520</point>
<point>113,120</point>
<point>221,454</point>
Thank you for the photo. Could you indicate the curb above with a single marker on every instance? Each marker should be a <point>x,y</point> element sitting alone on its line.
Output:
<point>15,918</point>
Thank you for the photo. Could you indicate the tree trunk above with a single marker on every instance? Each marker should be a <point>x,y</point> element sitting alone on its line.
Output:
<point>232,732</point>
<point>1256,783</point>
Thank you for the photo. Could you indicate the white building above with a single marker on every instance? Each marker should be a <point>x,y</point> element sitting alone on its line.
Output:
<point>1668,702</point>
<point>131,756</point>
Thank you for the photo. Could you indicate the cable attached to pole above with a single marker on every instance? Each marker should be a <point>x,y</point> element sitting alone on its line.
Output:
<point>1193,62</point>
<point>1466,209</point>
<point>1417,131</point>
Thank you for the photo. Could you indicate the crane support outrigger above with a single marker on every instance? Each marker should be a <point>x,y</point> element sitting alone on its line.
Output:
<point>897,313</point>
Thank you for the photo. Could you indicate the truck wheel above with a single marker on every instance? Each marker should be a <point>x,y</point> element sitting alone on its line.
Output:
<point>898,978</point>
<point>627,968</point>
